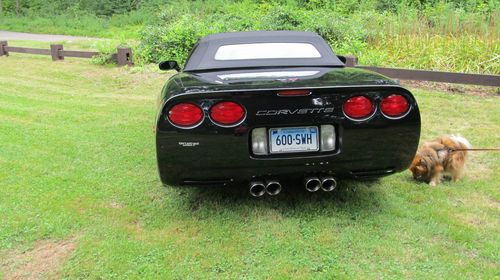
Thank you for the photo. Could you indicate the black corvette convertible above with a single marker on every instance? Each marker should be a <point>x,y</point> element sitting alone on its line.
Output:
<point>270,109</point>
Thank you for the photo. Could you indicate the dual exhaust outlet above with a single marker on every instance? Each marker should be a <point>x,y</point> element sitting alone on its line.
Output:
<point>259,188</point>
<point>325,183</point>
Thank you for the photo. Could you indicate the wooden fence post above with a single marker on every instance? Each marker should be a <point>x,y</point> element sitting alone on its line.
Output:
<point>351,61</point>
<point>54,52</point>
<point>3,48</point>
<point>124,57</point>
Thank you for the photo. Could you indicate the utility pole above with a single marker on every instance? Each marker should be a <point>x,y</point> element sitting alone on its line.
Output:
<point>18,6</point>
<point>1,8</point>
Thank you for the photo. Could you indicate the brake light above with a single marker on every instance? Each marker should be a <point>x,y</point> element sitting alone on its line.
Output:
<point>394,105</point>
<point>358,107</point>
<point>185,114</point>
<point>227,113</point>
<point>294,92</point>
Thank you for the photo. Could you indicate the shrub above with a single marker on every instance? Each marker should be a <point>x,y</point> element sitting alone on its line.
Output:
<point>417,34</point>
<point>106,49</point>
<point>174,37</point>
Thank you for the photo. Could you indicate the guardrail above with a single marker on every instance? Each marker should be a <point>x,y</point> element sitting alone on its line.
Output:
<point>431,76</point>
<point>123,56</point>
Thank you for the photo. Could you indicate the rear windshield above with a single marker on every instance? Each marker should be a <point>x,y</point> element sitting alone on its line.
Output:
<point>266,51</point>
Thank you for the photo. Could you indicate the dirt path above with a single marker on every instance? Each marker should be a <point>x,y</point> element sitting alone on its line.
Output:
<point>9,35</point>
<point>43,261</point>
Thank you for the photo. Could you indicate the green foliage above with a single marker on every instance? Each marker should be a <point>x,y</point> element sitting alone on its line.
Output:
<point>471,53</point>
<point>174,37</point>
<point>99,7</point>
<point>379,32</point>
<point>106,50</point>
<point>79,23</point>
<point>438,37</point>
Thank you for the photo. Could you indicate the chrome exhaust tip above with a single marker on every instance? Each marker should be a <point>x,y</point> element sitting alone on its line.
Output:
<point>273,187</point>
<point>312,184</point>
<point>328,183</point>
<point>257,188</point>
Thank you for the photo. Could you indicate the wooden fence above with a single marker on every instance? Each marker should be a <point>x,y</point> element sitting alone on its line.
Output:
<point>123,56</point>
<point>431,76</point>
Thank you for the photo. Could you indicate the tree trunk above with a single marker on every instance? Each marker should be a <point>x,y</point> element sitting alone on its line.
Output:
<point>18,6</point>
<point>1,8</point>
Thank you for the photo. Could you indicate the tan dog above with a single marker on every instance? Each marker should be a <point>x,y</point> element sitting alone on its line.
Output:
<point>438,157</point>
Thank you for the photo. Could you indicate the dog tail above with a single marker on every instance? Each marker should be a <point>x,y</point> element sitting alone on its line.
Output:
<point>460,139</point>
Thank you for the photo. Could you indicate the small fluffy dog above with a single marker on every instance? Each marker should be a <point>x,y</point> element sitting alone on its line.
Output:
<point>439,157</point>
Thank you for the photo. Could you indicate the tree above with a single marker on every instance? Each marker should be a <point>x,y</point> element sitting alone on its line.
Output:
<point>18,6</point>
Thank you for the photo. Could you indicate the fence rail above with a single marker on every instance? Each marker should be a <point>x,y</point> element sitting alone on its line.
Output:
<point>26,50</point>
<point>123,56</point>
<point>437,76</point>
<point>431,76</point>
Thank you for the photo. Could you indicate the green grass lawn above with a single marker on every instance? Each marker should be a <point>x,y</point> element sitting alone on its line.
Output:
<point>77,165</point>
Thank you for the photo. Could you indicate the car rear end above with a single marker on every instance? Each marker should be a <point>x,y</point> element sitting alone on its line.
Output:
<point>274,137</point>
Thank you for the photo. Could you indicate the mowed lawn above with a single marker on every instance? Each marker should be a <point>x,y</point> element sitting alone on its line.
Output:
<point>80,195</point>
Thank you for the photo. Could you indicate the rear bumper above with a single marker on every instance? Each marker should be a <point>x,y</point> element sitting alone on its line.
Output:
<point>363,151</point>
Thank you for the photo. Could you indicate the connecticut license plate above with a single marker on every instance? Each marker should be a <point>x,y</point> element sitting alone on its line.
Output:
<point>294,139</point>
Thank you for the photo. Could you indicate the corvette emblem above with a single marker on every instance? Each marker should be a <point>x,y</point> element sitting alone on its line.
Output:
<point>302,111</point>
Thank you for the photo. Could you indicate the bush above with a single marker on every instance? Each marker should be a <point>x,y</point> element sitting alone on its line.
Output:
<point>106,50</point>
<point>173,37</point>
<point>423,34</point>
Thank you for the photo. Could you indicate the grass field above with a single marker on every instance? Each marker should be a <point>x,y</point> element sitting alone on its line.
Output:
<point>80,195</point>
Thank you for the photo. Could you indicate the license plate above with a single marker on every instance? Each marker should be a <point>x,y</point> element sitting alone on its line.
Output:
<point>294,139</point>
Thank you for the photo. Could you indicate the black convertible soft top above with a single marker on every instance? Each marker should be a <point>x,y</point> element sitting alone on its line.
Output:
<point>203,55</point>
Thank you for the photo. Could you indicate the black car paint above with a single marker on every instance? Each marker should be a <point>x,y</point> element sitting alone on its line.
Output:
<point>209,154</point>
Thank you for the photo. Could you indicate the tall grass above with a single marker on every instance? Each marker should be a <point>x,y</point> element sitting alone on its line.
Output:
<point>81,24</point>
<point>436,39</point>
<point>471,53</point>
<point>442,21</point>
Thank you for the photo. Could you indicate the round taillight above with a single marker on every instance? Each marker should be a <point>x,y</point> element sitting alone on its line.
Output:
<point>358,107</point>
<point>227,113</point>
<point>394,105</point>
<point>185,114</point>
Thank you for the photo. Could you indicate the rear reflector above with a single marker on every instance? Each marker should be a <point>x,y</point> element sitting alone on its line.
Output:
<point>185,115</point>
<point>394,105</point>
<point>294,92</point>
<point>358,107</point>
<point>227,113</point>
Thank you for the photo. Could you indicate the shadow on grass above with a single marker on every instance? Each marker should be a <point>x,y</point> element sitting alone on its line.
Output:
<point>357,198</point>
